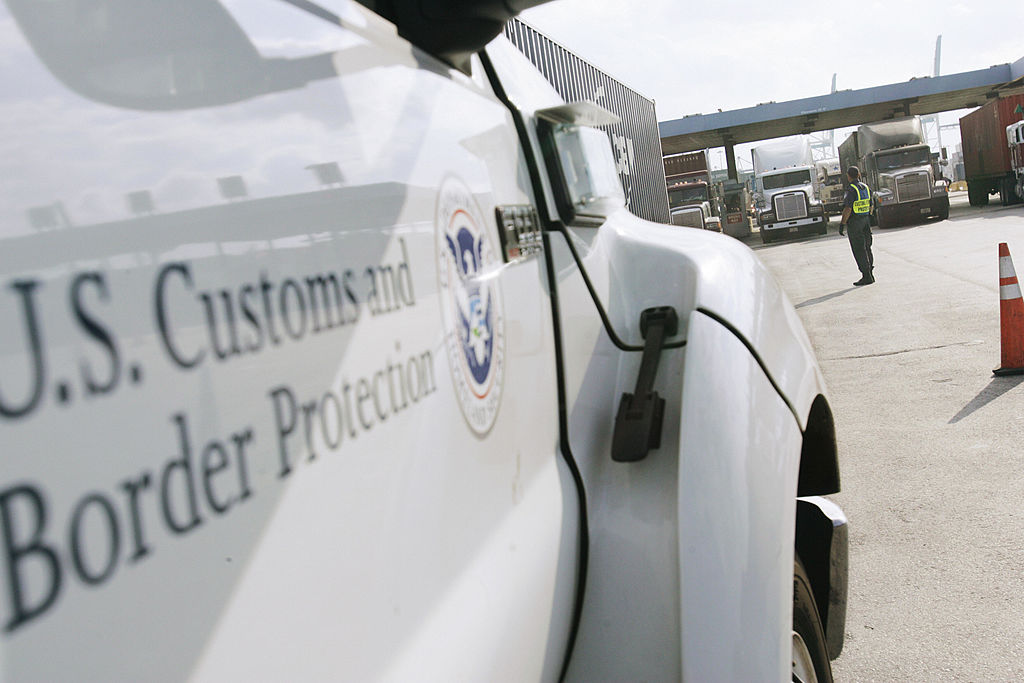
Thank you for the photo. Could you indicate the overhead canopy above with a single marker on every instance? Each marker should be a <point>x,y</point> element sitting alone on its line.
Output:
<point>841,109</point>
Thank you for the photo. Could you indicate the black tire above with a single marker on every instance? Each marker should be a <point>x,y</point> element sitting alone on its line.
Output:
<point>977,194</point>
<point>765,239</point>
<point>808,634</point>
<point>1008,192</point>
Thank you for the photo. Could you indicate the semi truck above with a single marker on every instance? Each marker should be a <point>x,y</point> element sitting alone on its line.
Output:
<point>785,190</point>
<point>691,197</point>
<point>831,185</point>
<point>987,163</point>
<point>330,351</point>
<point>734,208</point>
<point>896,163</point>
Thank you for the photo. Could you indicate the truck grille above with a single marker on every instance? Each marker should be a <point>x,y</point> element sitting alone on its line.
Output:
<point>911,187</point>
<point>690,218</point>
<point>790,206</point>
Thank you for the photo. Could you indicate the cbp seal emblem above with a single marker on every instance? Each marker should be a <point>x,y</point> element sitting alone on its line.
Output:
<point>471,306</point>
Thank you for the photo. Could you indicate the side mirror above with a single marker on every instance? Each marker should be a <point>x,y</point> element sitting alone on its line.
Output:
<point>580,161</point>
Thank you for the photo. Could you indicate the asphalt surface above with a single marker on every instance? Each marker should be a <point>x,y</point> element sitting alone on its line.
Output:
<point>930,442</point>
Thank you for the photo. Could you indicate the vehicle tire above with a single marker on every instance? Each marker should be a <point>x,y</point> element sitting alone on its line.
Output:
<point>944,213</point>
<point>809,655</point>
<point>976,194</point>
<point>1007,192</point>
<point>882,219</point>
<point>765,239</point>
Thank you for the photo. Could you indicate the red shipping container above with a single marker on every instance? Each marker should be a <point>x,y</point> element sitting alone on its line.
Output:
<point>983,134</point>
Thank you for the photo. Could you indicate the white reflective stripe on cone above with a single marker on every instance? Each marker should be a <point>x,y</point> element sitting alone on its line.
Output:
<point>1006,267</point>
<point>1008,292</point>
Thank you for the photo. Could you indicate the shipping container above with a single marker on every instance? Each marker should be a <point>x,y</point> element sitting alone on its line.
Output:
<point>686,163</point>
<point>635,141</point>
<point>986,152</point>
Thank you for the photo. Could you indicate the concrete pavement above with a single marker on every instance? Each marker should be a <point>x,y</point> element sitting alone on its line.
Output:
<point>930,443</point>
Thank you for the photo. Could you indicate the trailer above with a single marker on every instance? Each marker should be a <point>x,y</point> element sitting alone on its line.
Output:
<point>987,163</point>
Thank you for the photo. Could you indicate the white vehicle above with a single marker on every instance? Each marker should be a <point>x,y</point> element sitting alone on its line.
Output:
<point>331,353</point>
<point>786,190</point>
<point>831,185</point>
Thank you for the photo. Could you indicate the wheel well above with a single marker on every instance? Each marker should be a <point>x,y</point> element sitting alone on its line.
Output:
<point>819,461</point>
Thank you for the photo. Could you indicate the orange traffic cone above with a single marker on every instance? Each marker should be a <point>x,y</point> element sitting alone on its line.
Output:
<point>1011,317</point>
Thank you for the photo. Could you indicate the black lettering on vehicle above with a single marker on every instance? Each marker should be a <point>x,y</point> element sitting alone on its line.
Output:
<point>34,343</point>
<point>162,314</point>
<point>23,508</point>
<point>95,329</point>
<point>109,531</point>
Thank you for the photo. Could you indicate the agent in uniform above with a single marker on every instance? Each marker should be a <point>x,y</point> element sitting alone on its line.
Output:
<point>856,207</point>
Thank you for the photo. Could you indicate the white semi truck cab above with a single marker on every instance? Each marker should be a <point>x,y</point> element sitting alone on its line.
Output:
<point>786,191</point>
<point>330,351</point>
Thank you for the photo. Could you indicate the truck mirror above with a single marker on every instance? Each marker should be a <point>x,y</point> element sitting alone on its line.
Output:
<point>580,160</point>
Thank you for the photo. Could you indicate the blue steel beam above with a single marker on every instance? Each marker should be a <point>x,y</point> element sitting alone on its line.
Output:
<point>840,109</point>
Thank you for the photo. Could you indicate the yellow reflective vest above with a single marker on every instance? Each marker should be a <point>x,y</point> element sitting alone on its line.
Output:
<point>863,203</point>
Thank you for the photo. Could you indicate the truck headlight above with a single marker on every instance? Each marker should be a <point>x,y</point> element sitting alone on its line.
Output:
<point>941,187</point>
<point>767,216</point>
<point>885,197</point>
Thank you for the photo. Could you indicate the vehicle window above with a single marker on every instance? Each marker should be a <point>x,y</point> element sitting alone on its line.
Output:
<point>773,182</point>
<point>903,158</point>
<point>678,195</point>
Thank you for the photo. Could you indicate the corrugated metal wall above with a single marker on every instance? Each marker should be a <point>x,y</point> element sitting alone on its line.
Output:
<point>635,142</point>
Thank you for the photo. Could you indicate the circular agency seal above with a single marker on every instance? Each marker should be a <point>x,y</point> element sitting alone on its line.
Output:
<point>471,306</point>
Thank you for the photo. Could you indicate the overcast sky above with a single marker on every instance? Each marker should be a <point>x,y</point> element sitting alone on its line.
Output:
<point>695,57</point>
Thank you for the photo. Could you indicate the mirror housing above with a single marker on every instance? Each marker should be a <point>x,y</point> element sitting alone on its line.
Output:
<point>580,160</point>
<point>451,30</point>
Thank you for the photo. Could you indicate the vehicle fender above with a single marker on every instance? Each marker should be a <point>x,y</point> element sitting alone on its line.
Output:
<point>691,548</point>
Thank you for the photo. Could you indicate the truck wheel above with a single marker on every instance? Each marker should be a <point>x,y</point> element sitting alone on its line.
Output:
<point>765,239</point>
<point>976,194</point>
<point>810,658</point>
<point>1007,192</point>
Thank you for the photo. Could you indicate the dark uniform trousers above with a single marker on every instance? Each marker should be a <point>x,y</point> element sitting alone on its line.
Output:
<point>859,227</point>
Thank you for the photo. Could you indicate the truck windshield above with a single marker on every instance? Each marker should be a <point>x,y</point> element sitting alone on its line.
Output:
<point>693,193</point>
<point>917,156</point>
<point>773,182</point>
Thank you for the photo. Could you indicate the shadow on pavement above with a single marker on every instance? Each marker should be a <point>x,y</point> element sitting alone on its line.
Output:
<point>826,297</point>
<point>996,388</point>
